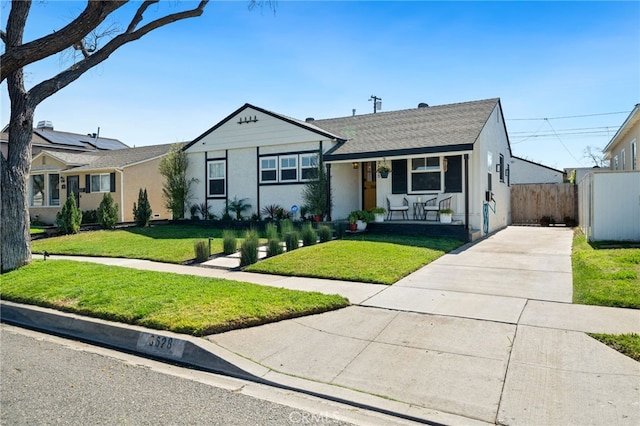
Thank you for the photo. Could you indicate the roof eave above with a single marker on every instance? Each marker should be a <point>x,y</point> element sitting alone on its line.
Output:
<point>329,158</point>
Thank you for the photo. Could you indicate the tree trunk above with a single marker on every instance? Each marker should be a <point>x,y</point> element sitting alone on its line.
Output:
<point>15,243</point>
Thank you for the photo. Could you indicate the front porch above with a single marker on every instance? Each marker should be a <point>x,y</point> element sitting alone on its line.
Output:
<point>421,228</point>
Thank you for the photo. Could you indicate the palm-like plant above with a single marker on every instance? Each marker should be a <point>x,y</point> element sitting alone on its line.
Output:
<point>238,206</point>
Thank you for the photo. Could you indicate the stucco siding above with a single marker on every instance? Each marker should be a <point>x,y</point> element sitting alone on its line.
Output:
<point>522,171</point>
<point>346,190</point>
<point>242,180</point>
<point>144,176</point>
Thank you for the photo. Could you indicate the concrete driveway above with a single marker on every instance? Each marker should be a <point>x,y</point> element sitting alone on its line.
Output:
<point>486,334</point>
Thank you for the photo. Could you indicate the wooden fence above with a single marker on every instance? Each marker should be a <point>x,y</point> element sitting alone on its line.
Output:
<point>530,202</point>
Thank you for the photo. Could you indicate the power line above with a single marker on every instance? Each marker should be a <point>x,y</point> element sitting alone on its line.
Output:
<point>562,143</point>
<point>568,116</point>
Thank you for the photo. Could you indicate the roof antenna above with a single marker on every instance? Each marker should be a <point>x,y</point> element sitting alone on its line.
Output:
<point>377,103</point>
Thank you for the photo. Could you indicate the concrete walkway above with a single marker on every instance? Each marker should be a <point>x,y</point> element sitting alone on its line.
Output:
<point>485,334</point>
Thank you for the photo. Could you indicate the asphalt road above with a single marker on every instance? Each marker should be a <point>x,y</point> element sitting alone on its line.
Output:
<point>47,380</point>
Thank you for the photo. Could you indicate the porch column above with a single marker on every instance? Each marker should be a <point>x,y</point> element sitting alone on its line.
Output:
<point>328,191</point>
<point>466,194</point>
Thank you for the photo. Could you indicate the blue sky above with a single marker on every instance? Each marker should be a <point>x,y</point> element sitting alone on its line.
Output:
<point>323,59</point>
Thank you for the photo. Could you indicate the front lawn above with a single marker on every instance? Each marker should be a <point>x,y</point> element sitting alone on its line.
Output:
<point>605,277</point>
<point>36,230</point>
<point>165,243</point>
<point>628,344</point>
<point>366,258</point>
<point>179,303</point>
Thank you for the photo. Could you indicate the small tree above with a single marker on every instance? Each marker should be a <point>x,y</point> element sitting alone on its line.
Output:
<point>107,212</point>
<point>142,212</point>
<point>69,217</point>
<point>316,194</point>
<point>176,188</point>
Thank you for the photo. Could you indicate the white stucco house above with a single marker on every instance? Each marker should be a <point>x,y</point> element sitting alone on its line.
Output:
<point>458,150</point>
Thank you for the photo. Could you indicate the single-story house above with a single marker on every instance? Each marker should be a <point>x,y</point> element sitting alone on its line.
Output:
<point>527,171</point>
<point>609,200</point>
<point>44,137</point>
<point>89,175</point>
<point>459,151</point>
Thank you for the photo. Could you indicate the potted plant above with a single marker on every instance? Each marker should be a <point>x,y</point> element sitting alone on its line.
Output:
<point>378,213</point>
<point>362,218</point>
<point>352,222</point>
<point>445,215</point>
<point>383,169</point>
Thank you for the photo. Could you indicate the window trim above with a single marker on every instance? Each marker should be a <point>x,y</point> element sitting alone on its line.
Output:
<point>282,168</point>
<point>100,175</point>
<point>274,168</point>
<point>623,154</point>
<point>634,155</point>
<point>310,167</point>
<point>299,168</point>
<point>223,162</point>
<point>50,190</point>
<point>427,169</point>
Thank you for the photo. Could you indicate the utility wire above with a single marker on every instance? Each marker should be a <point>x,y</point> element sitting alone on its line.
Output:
<point>562,143</point>
<point>568,116</point>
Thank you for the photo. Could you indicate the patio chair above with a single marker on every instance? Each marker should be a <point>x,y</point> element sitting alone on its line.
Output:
<point>397,203</point>
<point>431,206</point>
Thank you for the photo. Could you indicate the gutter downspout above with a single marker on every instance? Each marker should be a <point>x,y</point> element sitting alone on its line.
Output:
<point>466,196</point>
<point>121,194</point>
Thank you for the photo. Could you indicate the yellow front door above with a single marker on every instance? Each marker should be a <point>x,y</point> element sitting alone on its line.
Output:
<point>369,185</point>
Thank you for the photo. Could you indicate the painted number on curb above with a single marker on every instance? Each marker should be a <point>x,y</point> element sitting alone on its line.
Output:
<point>161,345</point>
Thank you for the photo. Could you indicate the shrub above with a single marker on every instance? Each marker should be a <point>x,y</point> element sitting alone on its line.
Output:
<point>229,242</point>
<point>286,226</point>
<point>271,231</point>
<point>89,216</point>
<point>271,211</point>
<point>142,212</point>
<point>238,206</point>
<point>325,233</point>
<point>69,218</point>
<point>292,240</point>
<point>309,236</point>
<point>202,250</point>
<point>274,247</point>
<point>341,230</point>
<point>249,248</point>
<point>107,212</point>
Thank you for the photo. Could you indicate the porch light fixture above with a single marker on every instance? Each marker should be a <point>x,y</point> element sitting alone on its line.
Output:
<point>497,167</point>
<point>354,165</point>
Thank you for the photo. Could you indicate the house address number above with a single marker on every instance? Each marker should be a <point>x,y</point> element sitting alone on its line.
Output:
<point>157,344</point>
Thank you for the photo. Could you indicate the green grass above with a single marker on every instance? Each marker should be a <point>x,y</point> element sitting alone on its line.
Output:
<point>166,243</point>
<point>605,277</point>
<point>179,303</point>
<point>628,344</point>
<point>36,230</point>
<point>368,258</point>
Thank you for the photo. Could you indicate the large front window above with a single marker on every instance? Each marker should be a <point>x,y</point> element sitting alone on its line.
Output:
<point>54,190</point>
<point>288,168</point>
<point>426,174</point>
<point>308,166</point>
<point>37,190</point>
<point>100,183</point>
<point>216,176</point>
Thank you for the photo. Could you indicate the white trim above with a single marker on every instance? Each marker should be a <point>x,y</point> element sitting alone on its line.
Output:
<point>283,168</point>
<point>269,168</point>
<point>223,177</point>
<point>101,189</point>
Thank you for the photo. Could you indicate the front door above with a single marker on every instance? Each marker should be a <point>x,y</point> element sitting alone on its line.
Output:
<point>369,185</point>
<point>73,185</point>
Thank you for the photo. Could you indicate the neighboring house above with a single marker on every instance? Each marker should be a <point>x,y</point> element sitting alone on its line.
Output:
<point>609,199</point>
<point>461,150</point>
<point>89,175</point>
<point>46,138</point>
<point>526,171</point>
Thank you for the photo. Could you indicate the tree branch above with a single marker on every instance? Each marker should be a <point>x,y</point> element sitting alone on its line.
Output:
<point>3,36</point>
<point>139,15</point>
<point>47,88</point>
<point>18,55</point>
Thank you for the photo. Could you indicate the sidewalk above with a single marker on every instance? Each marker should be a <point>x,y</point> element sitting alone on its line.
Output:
<point>485,334</point>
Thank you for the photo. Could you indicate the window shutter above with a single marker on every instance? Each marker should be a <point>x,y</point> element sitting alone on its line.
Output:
<point>112,182</point>
<point>399,176</point>
<point>87,183</point>
<point>453,175</point>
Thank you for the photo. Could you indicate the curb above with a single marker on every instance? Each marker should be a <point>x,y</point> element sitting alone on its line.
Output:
<point>197,353</point>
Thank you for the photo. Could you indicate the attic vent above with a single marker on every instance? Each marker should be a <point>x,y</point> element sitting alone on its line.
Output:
<point>309,119</point>
<point>423,105</point>
<point>45,124</point>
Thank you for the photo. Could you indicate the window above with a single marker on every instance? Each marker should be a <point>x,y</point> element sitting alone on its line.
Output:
<point>269,169</point>
<point>100,183</point>
<point>426,174</point>
<point>308,166</point>
<point>216,175</point>
<point>634,155</point>
<point>37,190</point>
<point>624,159</point>
<point>501,168</point>
<point>289,168</point>
<point>54,190</point>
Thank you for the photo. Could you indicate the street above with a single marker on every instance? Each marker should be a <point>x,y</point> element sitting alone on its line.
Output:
<point>49,380</point>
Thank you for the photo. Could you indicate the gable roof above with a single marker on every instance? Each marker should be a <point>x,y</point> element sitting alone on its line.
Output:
<point>116,159</point>
<point>453,127</point>
<point>632,119</point>
<point>537,164</point>
<point>299,123</point>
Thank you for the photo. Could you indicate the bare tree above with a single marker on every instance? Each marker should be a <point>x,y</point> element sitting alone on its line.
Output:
<point>596,156</point>
<point>80,35</point>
